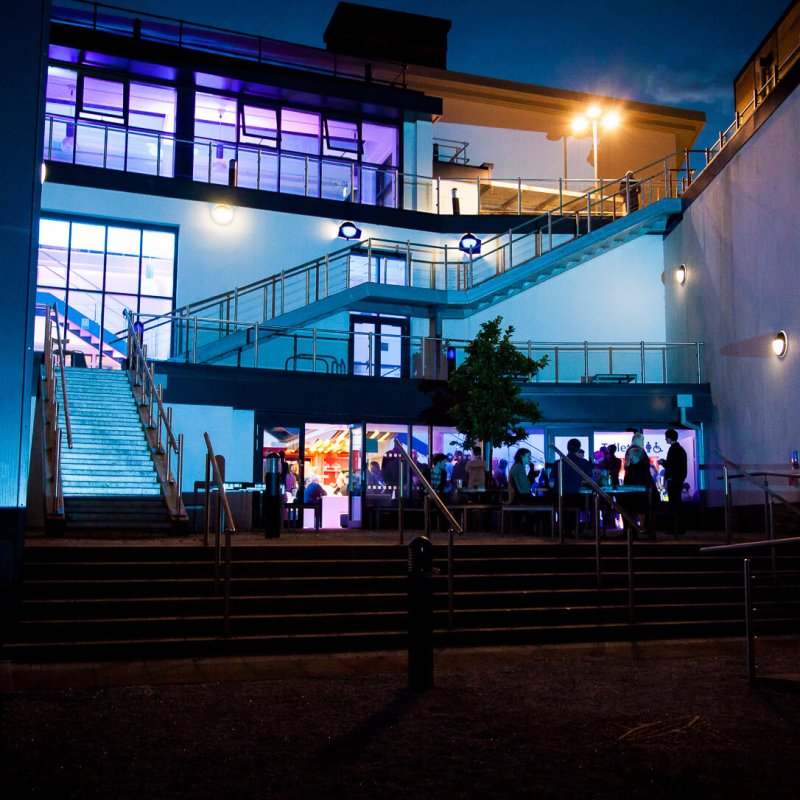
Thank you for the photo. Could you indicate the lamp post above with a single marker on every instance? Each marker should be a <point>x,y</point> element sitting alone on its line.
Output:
<point>594,116</point>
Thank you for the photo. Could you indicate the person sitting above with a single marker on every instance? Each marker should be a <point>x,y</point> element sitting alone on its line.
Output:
<point>476,470</point>
<point>312,498</point>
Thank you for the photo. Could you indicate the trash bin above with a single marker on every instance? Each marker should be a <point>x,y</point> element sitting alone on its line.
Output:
<point>272,505</point>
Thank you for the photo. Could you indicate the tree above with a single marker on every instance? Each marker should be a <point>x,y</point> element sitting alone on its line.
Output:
<point>485,394</point>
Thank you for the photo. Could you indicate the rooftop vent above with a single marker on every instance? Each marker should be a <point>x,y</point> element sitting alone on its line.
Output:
<point>385,35</point>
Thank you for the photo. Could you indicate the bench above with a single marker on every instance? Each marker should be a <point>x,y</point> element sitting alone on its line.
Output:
<point>527,508</point>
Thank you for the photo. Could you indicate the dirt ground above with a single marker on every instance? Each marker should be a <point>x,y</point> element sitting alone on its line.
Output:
<point>665,721</point>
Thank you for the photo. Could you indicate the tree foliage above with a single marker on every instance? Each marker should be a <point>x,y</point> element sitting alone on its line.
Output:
<point>487,402</point>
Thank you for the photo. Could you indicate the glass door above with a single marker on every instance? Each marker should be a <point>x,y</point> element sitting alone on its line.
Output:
<point>379,346</point>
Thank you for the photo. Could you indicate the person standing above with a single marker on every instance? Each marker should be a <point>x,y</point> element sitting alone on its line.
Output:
<point>675,469</point>
<point>613,465</point>
<point>476,470</point>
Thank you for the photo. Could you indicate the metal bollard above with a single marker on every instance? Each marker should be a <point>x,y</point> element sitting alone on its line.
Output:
<point>272,503</point>
<point>420,614</point>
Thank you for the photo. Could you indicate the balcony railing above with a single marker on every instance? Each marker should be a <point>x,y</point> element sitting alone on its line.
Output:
<point>328,351</point>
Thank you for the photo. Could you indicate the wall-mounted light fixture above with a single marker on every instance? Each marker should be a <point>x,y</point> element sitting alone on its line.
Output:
<point>680,274</point>
<point>780,344</point>
<point>349,231</point>
<point>470,243</point>
<point>44,171</point>
<point>222,214</point>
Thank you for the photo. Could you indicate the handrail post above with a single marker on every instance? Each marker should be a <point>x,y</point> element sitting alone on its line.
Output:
<point>408,263</point>
<point>560,468</point>
<point>586,360</point>
<point>641,346</point>
<point>697,353</point>
<point>727,483</point>
<point>510,249</point>
<point>748,622</point>
<point>400,476</point>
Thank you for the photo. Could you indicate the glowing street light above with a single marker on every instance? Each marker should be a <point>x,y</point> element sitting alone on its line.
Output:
<point>594,116</point>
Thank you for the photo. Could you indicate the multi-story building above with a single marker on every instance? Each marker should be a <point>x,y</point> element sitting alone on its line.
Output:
<point>201,180</point>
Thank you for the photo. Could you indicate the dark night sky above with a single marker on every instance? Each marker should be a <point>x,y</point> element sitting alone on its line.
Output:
<point>678,53</point>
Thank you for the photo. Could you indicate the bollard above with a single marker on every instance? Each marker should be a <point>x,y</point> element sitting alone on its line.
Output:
<point>272,505</point>
<point>420,614</point>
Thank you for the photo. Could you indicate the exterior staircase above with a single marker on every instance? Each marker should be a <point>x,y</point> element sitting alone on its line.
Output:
<point>109,479</point>
<point>124,602</point>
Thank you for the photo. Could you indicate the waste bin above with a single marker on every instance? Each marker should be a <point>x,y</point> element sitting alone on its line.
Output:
<point>272,506</point>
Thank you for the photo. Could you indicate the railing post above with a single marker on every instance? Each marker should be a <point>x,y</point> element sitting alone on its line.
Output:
<point>560,468</point>
<point>445,266</point>
<point>179,480</point>
<point>588,213</point>
<point>550,230</point>
<point>748,622</point>
<point>438,196</point>
<point>327,274</point>
<point>697,351</point>
<point>555,360</point>
<point>194,339</point>
<point>255,346</point>
<point>586,360</point>
<point>641,346</point>
<point>510,250</point>
<point>408,263</point>
<point>727,485</point>
<point>283,289</point>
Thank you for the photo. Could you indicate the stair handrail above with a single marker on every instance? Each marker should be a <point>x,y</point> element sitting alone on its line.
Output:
<point>52,432</point>
<point>772,544</point>
<point>143,376</point>
<point>452,525</point>
<point>60,355</point>
<point>224,514</point>
<point>770,495</point>
<point>600,492</point>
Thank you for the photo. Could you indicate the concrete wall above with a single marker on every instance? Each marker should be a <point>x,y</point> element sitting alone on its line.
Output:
<point>740,244</point>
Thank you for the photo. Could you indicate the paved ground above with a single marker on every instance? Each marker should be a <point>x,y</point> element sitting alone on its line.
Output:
<point>658,720</point>
<point>647,720</point>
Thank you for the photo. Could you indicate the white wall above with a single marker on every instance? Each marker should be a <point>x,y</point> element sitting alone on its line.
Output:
<point>740,242</point>
<point>214,258</point>
<point>520,154</point>
<point>615,297</point>
<point>232,435</point>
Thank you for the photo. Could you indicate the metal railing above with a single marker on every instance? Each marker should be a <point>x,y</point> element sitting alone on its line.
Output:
<point>52,438</point>
<point>327,350</point>
<point>599,493</point>
<point>226,524</point>
<point>452,525</point>
<point>127,148</point>
<point>212,39</point>
<point>160,420</point>
<point>773,545</point>
<point>755,479</point>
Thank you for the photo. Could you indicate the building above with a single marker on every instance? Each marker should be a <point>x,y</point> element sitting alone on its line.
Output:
<point>274,333</point>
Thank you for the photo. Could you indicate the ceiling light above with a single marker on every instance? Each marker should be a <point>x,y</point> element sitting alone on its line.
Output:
<point>680,274</point>
<point>349,230</point>
<point>470,243</point>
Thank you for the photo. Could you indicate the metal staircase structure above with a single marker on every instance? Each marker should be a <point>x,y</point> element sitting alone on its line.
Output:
<point>405,277</point>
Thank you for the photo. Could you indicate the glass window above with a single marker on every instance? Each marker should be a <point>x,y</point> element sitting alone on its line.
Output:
<point>259,126</point>
<point>341,139</point>
<point>53,253</point>
<point>103,100</point>
<point>105,269</point>
<point>124,251</point>
<point>61,90</point>
<point>300,132</point>
<point>152,107</point>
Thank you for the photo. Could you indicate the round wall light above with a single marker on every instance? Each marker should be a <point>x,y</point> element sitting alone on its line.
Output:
<point>680,274</point>
<point>780,344</point>
<point>222,214</point>
<point>349,230</point>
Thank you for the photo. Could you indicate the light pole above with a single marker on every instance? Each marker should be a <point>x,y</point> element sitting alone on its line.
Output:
<point>595,116</point>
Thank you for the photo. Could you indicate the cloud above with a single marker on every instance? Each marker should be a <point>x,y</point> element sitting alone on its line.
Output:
<point>688,87</point>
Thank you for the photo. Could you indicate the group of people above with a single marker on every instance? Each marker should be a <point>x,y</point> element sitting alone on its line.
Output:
<point>455,471</point>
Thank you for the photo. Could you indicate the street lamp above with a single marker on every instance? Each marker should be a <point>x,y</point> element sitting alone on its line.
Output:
<point>595,116</point>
